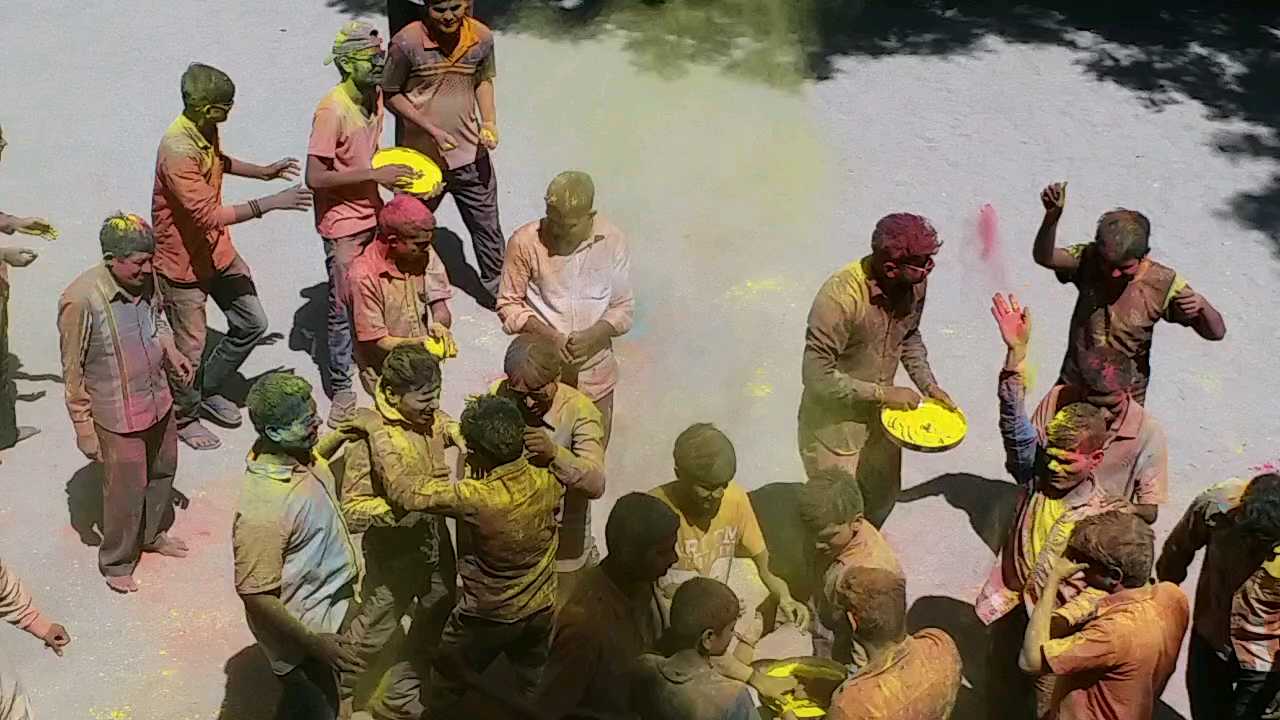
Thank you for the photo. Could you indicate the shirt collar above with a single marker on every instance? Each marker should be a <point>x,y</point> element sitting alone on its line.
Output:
<point>188,128</point>
<point>274,471</point>
<point>1129,424</point>
<point>595,237</point>
<point>514,467</point>
<point>386,266</point>
<point>468,38</point>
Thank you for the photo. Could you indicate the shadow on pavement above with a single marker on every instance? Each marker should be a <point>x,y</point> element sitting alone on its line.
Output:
<point>252,691</point>
<point>958,620</point>
<point>989,504</point>
<point>310,331</point>
<point>236,387</point>
<point>1224,56</point>
<point>84,504</point>
<point>448,245</point>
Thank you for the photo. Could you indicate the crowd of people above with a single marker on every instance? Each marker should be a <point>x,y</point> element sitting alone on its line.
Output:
<point>1076,625</point>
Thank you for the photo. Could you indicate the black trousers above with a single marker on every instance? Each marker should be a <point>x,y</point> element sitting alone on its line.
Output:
<point>1220,689</point>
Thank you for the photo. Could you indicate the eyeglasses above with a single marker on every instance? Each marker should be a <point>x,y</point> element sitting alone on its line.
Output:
<point>927,266</point>
<point>224,107</point>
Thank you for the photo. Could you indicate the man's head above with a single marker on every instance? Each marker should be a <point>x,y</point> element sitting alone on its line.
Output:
<point>494,431</point>
<point>1122,238</point>
<point>358,53</point>
<point>902,249</point>
<point>1117,547</point>
<point>207,94</point>
<point>1073,450</point>
<point>411,383</point>
<point>1259,512</point>
<point>703,613</point>
<point>641,536</point>
<point>705,462</point>
<point>408,228</point>
<point>284,414</point>
<point>831,506</point>
<point>444,17</point>
<point>570,215</point>
<point>875,601</point>
<point>127,246</point>
<point>533,366</point>
<point>1109,376</point>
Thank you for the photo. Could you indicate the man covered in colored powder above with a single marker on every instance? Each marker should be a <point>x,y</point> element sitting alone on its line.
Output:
<point>345,133</point>
<point>1123,292</point>
<point>10,432</point>
<point>831,507</point>
<point>116,346</point>
<point>399,290</point>
<point>295,564</point>
<point>408,556</point>
<point>716,524</point>
<point>17,609</point>
<point>905,677</point>
<point>195,258</point>
<point>1117,663</point>
<point>1135,459</point>
<point>439,82</point>
<point>507,508</point>
<point>565,434</point>
<point>615,614</point>
<point>863,322</point>
<point>1056,488</point>
<point>568,277</point>
<point>685,684</point>
<point>1235,633</point>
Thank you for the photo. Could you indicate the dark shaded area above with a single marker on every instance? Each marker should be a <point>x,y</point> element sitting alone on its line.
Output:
<point>989,504</point>
<point>448,246</point>
<point>1225,56</point>
<point>310,330</point>
<point>958,619</point>
<point>791,552</point>
<point>84,504</point>
<point>16,373</point>
<point>236,387</point>
<point>252,690</point>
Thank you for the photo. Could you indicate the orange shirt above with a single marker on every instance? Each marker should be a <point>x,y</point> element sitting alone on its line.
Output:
<point>191,244</point>
<point>343,133</point>
<point>385,301</point>
<point>920,683</point>
<point>1118,664</point>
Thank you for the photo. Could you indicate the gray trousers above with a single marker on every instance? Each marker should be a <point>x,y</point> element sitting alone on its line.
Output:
<point>474,189</point>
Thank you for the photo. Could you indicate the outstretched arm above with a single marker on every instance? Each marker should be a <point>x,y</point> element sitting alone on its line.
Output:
<point>1046,252</point>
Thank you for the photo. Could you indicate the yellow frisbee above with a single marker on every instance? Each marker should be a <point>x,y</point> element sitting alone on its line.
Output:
<point>824,674</point>
<point>429,175</point>
<point>931,427</point>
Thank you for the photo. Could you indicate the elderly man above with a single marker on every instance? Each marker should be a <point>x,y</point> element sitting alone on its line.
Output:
<point>194,255</point>
<point>116,346</point>
<point>568,277</point>
<point>865,319</point>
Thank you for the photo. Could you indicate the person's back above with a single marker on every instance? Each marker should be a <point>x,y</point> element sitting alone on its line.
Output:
<point>674,691</point>
<point>921,681</point>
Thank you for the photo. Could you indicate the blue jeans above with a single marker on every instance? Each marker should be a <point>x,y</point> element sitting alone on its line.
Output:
<point>338,255</point>
<point>310,693</point>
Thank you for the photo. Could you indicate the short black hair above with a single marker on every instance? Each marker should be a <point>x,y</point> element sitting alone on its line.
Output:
<point>274,399</point>
<point>1117,541</point>
<point>637,522</point>
<point>409,367</point>
<point>702,451</point>
<point>830,497</point>
<point>493,426</point>
<point>877,599</point>
<point>533,356</point>
<point>1080,427</point>
<point>1260,509</point>
<point>206,85</point>
<point>700,604</point>
<point>123,234</point>
<point>1123,235</point>
<point>1106,369</point>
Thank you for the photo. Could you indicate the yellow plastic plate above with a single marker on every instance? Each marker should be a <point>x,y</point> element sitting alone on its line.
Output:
<point>429,175</point>
<point>443,348</point>
<point>803,668</point>
<point>931,427</point>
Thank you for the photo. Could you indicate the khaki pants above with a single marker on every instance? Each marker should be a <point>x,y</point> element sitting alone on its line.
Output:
<point>876,466</point>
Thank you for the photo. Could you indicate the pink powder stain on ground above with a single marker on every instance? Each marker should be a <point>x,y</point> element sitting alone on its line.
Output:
<point>989,245</point>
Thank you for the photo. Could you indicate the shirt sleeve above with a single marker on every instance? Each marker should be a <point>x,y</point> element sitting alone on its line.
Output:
<point>751,539</point>
<point>367,308</point>
<point>1093,648</point>
<point>362,508</point>
<point>181,174</point>
<point>395,74</point>
<point>915,356</point>
<point>830,326</point>
<point>1179,289</point>
<point>1068,276</point>
<point>326,127</point>
<point>258,548</point>
<point>513,308</point>
<point>409,491</point>
<point>74,323</point>
<point>437,279</point>
<point>622,305</point>
<point>1187,537</point>
<point>581,465</point>
<point>1151,471</point>
<point>1016,431</point>
<point>16,607</point>
<point>488,67</point>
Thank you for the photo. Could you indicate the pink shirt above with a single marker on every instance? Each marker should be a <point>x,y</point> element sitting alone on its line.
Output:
<point>343,133</point>
<point>571,293</point>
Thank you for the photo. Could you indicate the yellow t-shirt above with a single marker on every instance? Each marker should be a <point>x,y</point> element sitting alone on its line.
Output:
<point>1045,513</point>
<point>710,553</point>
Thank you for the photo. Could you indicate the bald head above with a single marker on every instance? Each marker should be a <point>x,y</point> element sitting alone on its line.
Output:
<point>571,193</point>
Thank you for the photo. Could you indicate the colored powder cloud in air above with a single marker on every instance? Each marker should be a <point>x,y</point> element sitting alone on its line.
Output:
<point>988,231</point>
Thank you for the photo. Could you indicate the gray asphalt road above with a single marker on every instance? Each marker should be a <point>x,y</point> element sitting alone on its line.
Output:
<point>739,198</point>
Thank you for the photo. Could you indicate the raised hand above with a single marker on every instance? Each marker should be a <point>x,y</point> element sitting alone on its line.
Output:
<point>1013,320</point>
<point>1054,199</point>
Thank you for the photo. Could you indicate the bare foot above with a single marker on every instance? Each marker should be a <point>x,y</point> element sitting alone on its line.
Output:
<point>168,546</point>
<point>198,437</point>
<point>123,585</point>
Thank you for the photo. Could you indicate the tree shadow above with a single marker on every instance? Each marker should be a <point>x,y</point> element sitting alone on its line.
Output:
<point>16,372</point>
<point>252,690</point>
<point>989,504</point>
<point>448,245</point>
<point>1224,56</point>
<point>85,508</point>
<point>310,331</point>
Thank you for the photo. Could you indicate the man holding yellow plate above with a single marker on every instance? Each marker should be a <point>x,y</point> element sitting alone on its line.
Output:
<point>864,321</point>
